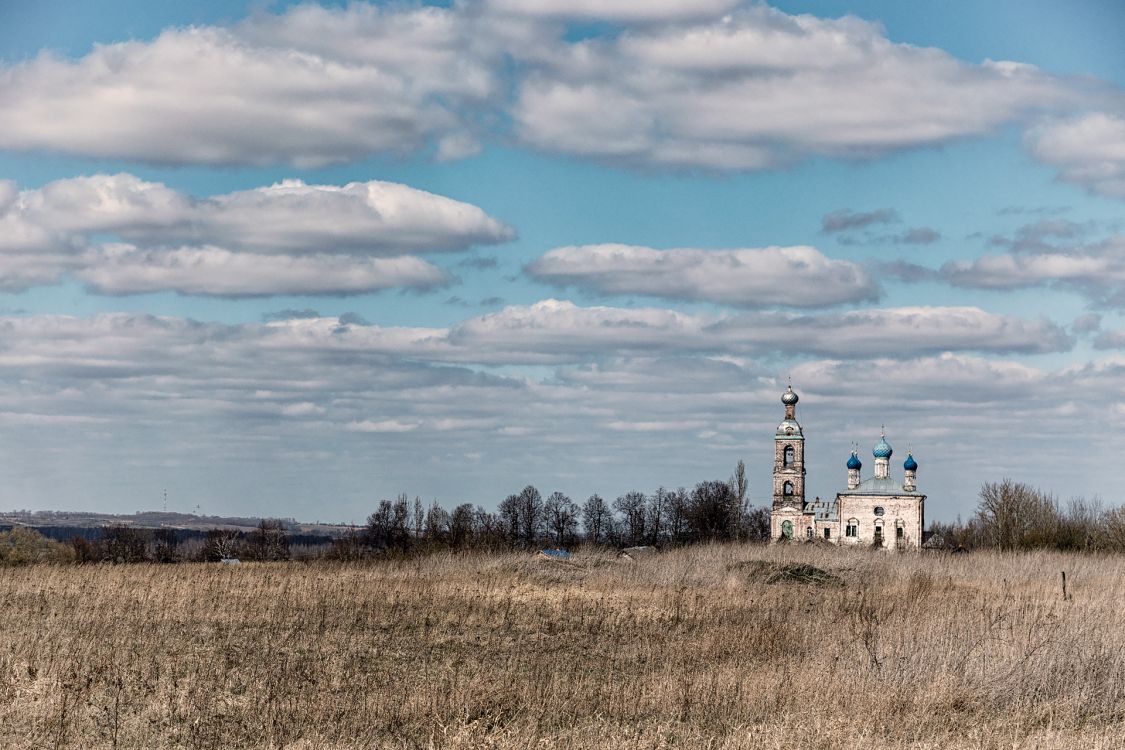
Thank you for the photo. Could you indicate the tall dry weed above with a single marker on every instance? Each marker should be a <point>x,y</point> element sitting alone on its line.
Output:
<point>699,647</point>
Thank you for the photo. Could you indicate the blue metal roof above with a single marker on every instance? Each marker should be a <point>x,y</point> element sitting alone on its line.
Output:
<point>883,449</point>
<point>873,486</point>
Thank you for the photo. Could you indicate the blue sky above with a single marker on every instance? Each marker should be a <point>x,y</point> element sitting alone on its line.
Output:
<point>580,245</point>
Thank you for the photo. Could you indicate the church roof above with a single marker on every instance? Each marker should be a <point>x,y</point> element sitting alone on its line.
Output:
<point>789,429</point>
<point>874,486</point>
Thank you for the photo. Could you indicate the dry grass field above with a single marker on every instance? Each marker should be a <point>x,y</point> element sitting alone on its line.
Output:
<point>716,647</point>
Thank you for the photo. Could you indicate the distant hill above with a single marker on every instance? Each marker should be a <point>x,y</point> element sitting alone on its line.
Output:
<point>59,524</point>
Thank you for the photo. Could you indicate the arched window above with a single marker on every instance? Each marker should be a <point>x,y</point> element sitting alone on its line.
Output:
<point>852,529</point>
<point>788,456</point>
<point>878,532</point>
<point>900,530</point>
<point>808,533</point>
<point>787,529</point>
<point>787,490</point>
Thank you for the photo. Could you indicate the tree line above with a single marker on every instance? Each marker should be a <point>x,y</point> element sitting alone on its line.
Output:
<point>1010,516</point>
<point>713,510</point>
<point>1013,516</point>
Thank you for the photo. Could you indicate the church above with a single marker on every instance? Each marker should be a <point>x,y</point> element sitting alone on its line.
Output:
<point>873,512</point>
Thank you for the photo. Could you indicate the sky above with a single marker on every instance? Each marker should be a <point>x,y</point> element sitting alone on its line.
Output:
<point>288,259</point>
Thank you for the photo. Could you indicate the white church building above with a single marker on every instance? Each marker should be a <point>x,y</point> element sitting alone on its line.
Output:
<point>875,512</point>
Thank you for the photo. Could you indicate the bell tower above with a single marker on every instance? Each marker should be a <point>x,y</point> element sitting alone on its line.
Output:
<point>789,458</point>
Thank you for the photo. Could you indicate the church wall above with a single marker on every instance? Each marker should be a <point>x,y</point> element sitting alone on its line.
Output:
<point>801,521</point>
<point>908,509</point>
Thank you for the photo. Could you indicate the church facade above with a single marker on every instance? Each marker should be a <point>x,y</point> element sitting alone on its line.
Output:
<point>875,512</point>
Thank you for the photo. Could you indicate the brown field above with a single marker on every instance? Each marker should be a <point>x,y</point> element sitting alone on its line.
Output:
<point>712,647</point>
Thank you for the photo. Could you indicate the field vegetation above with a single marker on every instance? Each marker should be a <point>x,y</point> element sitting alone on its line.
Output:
<point>723,645</point>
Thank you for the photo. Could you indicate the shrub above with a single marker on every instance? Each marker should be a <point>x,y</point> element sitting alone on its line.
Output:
<point>24,546</point>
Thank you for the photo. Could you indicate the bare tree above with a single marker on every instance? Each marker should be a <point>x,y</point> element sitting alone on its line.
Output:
<point>562,517</point>
<point>595,519</point>
<point>509,512</point>
<point>530,514</point>
<point>219,544</point>
<point>631,506</point>
<point>709,511</point>
<point>462,524</point>
<point>166,546</point>
<point>738,486</point>
<point>268,541</point>
<point>122,544</point>
<point>419,517</point>
<point>437,523</point>
<point>756,526</point>
<point>676,516</point>
<point>1013,515</point>
<point>658,507</point>
<point>1111,535</point>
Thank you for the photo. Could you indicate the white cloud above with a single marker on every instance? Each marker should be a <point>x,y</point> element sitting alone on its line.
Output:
<point>289,217</point>
<point>123,269</point>
<point>1096,270</point>
<point>310,87</point>
<point>750,277</point>
<point>698,85</point>
<point>760,88</point>
<point>288,238</point>
<point>557,331</point>
<point>1088,151</point>
<point>625,10</point>
<point>320,410</point>
<point>386,425</point>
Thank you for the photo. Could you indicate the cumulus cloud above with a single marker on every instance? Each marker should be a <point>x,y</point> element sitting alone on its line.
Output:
<point>718,85</point>
<point>1088,151</point>
<point>310,87</point>
<point>328,410</point>
<point>289,217</point>
<point>750,277</point>
<point>625,10</point>
<point>1095,270</point>
<point>124,269</point>
<point>287,238</point>
<point>558,331</point>
<point>759,88</point>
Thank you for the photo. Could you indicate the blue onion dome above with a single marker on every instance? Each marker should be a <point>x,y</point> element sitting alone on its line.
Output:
<point>911,464</point>
<point>883,449</point>
<point>854,462</point>
<point>789,397</point>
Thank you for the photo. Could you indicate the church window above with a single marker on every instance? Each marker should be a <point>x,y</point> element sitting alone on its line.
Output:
<point>787,529</point>
<point>879,510</point>
<point>808,532</point>
<point>900,533</point>
<point>878,532</point>
<point>788,488</point>
<point>853,528</point>
<point>828,533</point>
<point>788,455</point>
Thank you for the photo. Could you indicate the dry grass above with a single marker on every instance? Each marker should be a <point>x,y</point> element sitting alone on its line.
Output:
<point>717,647</point>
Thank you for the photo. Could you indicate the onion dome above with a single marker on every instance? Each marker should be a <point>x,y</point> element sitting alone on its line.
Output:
<point>883,449</point>
<point>789,397</point>
<point>910,464</point>
<point>854,463</point>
